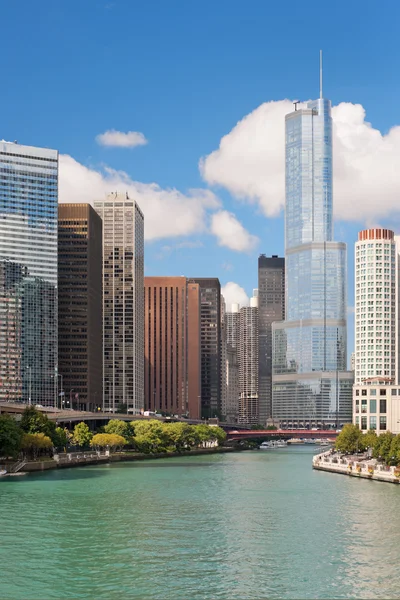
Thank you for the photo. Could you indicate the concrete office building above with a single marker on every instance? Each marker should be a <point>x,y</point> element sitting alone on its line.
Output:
<point>28,274</point>
<point>211,380</point>
<point>271,308</point>
<point>248,363</point>
<point>172,357</point>
<point>80,327</point>
<point>123,302</point>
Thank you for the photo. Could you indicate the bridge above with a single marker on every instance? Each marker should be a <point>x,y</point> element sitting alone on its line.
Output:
<point>236,435</point>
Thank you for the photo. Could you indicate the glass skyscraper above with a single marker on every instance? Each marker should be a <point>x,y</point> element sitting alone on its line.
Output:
<point>28,273</point>
<point>310,382</point>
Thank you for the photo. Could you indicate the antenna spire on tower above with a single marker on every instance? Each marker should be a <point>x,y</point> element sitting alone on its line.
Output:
<point>320,73</point>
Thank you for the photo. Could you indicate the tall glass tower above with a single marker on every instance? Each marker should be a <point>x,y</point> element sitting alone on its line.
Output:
<point>310,384</point>
<point>28,274</point>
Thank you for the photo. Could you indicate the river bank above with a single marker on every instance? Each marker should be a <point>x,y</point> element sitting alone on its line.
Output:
<point>355,466</point>
<point>70,460</point>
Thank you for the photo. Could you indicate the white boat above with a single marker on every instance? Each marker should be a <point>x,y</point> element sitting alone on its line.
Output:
<point>3,472</point>
<point>272,445</point>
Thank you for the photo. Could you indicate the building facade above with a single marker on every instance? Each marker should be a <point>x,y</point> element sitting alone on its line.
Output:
<point>376,405</point>
<point>123,303</point>
<point>376,306</point>
<point>248,363</point>
<point>211,379</point>
<point>80,327</point>
<point>172,357</point>
<point>271,308</point>
<point>311,384</point>
<point>28,274</point>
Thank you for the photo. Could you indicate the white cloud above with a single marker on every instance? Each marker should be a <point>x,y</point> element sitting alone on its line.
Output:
<point>168,212</point>
<point>119,139</point>
<point>231,233</point>
<point>233,293</point>
<point>250,162</point>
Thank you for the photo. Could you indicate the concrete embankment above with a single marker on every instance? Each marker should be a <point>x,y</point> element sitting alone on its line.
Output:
<point>65,461</point>
<point>355,467</point>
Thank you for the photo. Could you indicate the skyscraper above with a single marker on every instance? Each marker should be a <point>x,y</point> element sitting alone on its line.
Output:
<point>232,333</point>
<point>376,306</point>
<point>123,302</point>
<point>80,356</point>
<point>310,381</point>
<point>248,363</point>
<point>210,294</point>
<point>28,280</point>
<point>172,379</point>
<point>271,308</point>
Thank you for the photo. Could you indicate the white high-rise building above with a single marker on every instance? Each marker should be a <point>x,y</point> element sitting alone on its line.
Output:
<point>123,302</point>
<point>248,362</point>
<point>376,293</point>
<point>232,330</point>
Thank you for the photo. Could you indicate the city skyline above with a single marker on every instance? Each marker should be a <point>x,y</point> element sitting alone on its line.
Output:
<point>254,81</point>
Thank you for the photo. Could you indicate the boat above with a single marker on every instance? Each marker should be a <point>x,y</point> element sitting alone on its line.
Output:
<point>295,441</point>
<point>272,445</point>
<point>312,441</point>
<point>3,472</point>
<point>325,443</point>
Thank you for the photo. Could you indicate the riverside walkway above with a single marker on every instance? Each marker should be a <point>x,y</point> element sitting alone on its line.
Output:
<point>355,466</point>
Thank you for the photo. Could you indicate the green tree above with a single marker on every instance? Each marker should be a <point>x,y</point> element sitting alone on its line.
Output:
<point>382,448</point>
<point>370,439</point>
<point>180,435</point>
<point>395,450</point>
<point>119,427</point>
<point>202,433</point>
<point>60,438</point>
<point>218,434</point>
<point>108,440</point>
<point>150,436</point>
<point>350,439</point>
<point>82,435</point>
<point>34,444</point>
<point>34,421</point>
<point>10,436</point>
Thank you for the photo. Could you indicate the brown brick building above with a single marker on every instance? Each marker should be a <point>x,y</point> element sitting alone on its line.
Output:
<point>172,353</point>
<point>80,356</point>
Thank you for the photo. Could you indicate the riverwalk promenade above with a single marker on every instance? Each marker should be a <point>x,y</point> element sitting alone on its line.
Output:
<point>355,466</point>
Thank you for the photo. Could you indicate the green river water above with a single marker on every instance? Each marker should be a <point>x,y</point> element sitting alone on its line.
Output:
<point>249,525</point>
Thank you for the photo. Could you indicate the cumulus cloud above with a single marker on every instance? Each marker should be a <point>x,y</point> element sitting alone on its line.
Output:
<point>231,233</point>
<point>168,212</point>
<point>250,162</point>
<point>233,293</point>
<point>119,139</point>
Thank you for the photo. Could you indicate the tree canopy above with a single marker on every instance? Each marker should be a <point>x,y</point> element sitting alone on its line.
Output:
<point>34,421</point>
<point>108,440</point>
<point>82,435</point>
<point>34,444</point>
<point>10,436</point>
<point>119,427</point>
<point>350,439</point>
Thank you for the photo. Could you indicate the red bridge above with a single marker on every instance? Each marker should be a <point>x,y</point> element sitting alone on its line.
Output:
<point>283,433</point>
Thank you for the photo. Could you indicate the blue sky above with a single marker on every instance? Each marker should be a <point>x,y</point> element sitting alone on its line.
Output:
<point>184,73</point>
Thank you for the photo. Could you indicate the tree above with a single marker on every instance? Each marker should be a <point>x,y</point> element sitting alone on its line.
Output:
<point>218,434</point>
<point>82,435</point>
<point>383,446</point>
<point>34,444</point>
<point>108,440</point>
<point>395,450</point>
<point>150,436</point>
<point>350,439</point>
<point>202,434</point>
<point>370,438</point>
<point>10,436</point>
<point>119,427</point>
<point>60,438</point>
<point>34,421</point>
<point>181,435</point>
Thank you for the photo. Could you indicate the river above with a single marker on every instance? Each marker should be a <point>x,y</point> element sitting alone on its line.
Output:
<point>242,526</point>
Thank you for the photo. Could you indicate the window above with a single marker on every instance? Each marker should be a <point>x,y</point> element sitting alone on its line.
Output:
<point>382,423</point>
<point>358,421</point>
<point>372,392</point>
<point>382,405</point>
<point>372,406</point>
<point>363,392</point>
<point>394,392</point>
<point>372,422</point>
<point>382,392</point>
<point>364,405</point>
<point>363,422</point>
<point>357,392</point>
